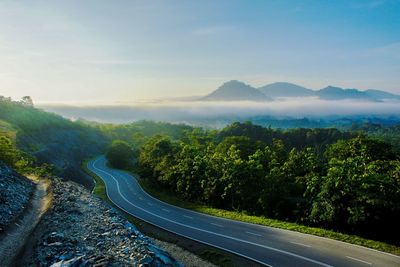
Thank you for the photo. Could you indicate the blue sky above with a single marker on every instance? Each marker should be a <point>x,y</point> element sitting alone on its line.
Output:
<point>113,51</point>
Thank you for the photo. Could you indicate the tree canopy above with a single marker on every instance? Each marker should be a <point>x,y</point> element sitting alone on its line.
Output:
<point>319,177</point>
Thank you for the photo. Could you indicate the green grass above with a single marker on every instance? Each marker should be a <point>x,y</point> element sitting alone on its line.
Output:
<point>100,188</point>
<point>241,216</point>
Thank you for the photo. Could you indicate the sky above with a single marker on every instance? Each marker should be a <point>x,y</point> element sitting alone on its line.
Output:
<point>126,51</point>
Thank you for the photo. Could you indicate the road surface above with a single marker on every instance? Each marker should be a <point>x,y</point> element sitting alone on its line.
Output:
<point>265,245</point>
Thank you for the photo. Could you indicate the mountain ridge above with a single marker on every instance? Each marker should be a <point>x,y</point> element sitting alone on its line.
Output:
<point>285,89</point>
<point>235,90</point>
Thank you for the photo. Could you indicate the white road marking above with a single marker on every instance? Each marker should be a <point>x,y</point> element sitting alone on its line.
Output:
<point>187,217</point>
<point>150,204</point>
<point>140,198</point>
<point>301,244</point>
<point>216,224</point>
<point>206,231</point>
<point>250,233</point>
<point>166,210</point>
<point>355,259</point>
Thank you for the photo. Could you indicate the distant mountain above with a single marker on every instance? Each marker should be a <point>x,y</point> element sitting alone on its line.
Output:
<point>381,95</point>
<point>236,91</point>
<point>337,93</point>
<point>284,89</point>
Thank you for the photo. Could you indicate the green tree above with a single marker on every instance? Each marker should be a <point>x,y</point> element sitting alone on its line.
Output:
<point>157,157</point>
<point>120,154</point>
<point>358,191</point>
<point>233,172</point>
<point>8,153</point>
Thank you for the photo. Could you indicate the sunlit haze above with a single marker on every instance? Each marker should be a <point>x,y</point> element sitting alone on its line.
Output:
<point>126,51</point>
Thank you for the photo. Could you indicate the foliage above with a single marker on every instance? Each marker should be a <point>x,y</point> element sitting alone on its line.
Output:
<point>337,180</point>
<point>8,152</point>
<point>20,161</point>
<point>360,189</point>
<point>159,193</point>
<point>119,154</point>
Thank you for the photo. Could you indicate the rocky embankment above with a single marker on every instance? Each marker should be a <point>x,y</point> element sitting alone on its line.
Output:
<point>15,192</point>
<point>81,230</point>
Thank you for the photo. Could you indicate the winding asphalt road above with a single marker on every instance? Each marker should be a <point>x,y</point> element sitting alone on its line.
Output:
<point>265,245</point>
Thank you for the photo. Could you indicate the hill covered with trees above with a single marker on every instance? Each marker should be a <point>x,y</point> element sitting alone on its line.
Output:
<point>47,138</point>
<point>31,137</point>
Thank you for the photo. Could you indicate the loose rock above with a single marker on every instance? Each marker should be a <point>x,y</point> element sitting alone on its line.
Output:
<point>81,230</point>
<point>15,192</point>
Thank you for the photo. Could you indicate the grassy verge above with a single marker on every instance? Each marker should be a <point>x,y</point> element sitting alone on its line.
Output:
<point>99,188</point>
<point>240,216</point>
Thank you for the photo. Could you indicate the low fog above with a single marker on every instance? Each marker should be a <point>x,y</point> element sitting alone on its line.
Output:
<point>197,111</point>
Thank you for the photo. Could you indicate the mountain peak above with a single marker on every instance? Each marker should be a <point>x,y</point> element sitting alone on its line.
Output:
<point>235,90</point>
<point>234,82</point>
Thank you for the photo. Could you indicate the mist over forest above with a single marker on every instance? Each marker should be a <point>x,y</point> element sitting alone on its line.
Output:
<point>220,113</point>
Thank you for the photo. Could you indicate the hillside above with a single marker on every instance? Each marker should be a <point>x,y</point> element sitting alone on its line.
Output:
<point>337,93</point>
<point>284,89</point>
<point>50,138</point>
<point>381,95</point>
<point>236,91</point>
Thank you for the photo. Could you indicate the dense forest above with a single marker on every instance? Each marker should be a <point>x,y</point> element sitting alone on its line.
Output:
<point>345,181</point>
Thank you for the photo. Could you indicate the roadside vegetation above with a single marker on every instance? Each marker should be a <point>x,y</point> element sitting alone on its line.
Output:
<point>99,188</point>
<point>341,185</point>
<point>158,193</point>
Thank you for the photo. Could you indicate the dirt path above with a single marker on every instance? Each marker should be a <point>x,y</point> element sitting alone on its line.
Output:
<point>14,238</point>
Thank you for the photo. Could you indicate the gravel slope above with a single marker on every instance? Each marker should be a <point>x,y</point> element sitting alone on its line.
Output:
<point>81,230</point>
<point>15,191</point>
<point>77,230</point>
